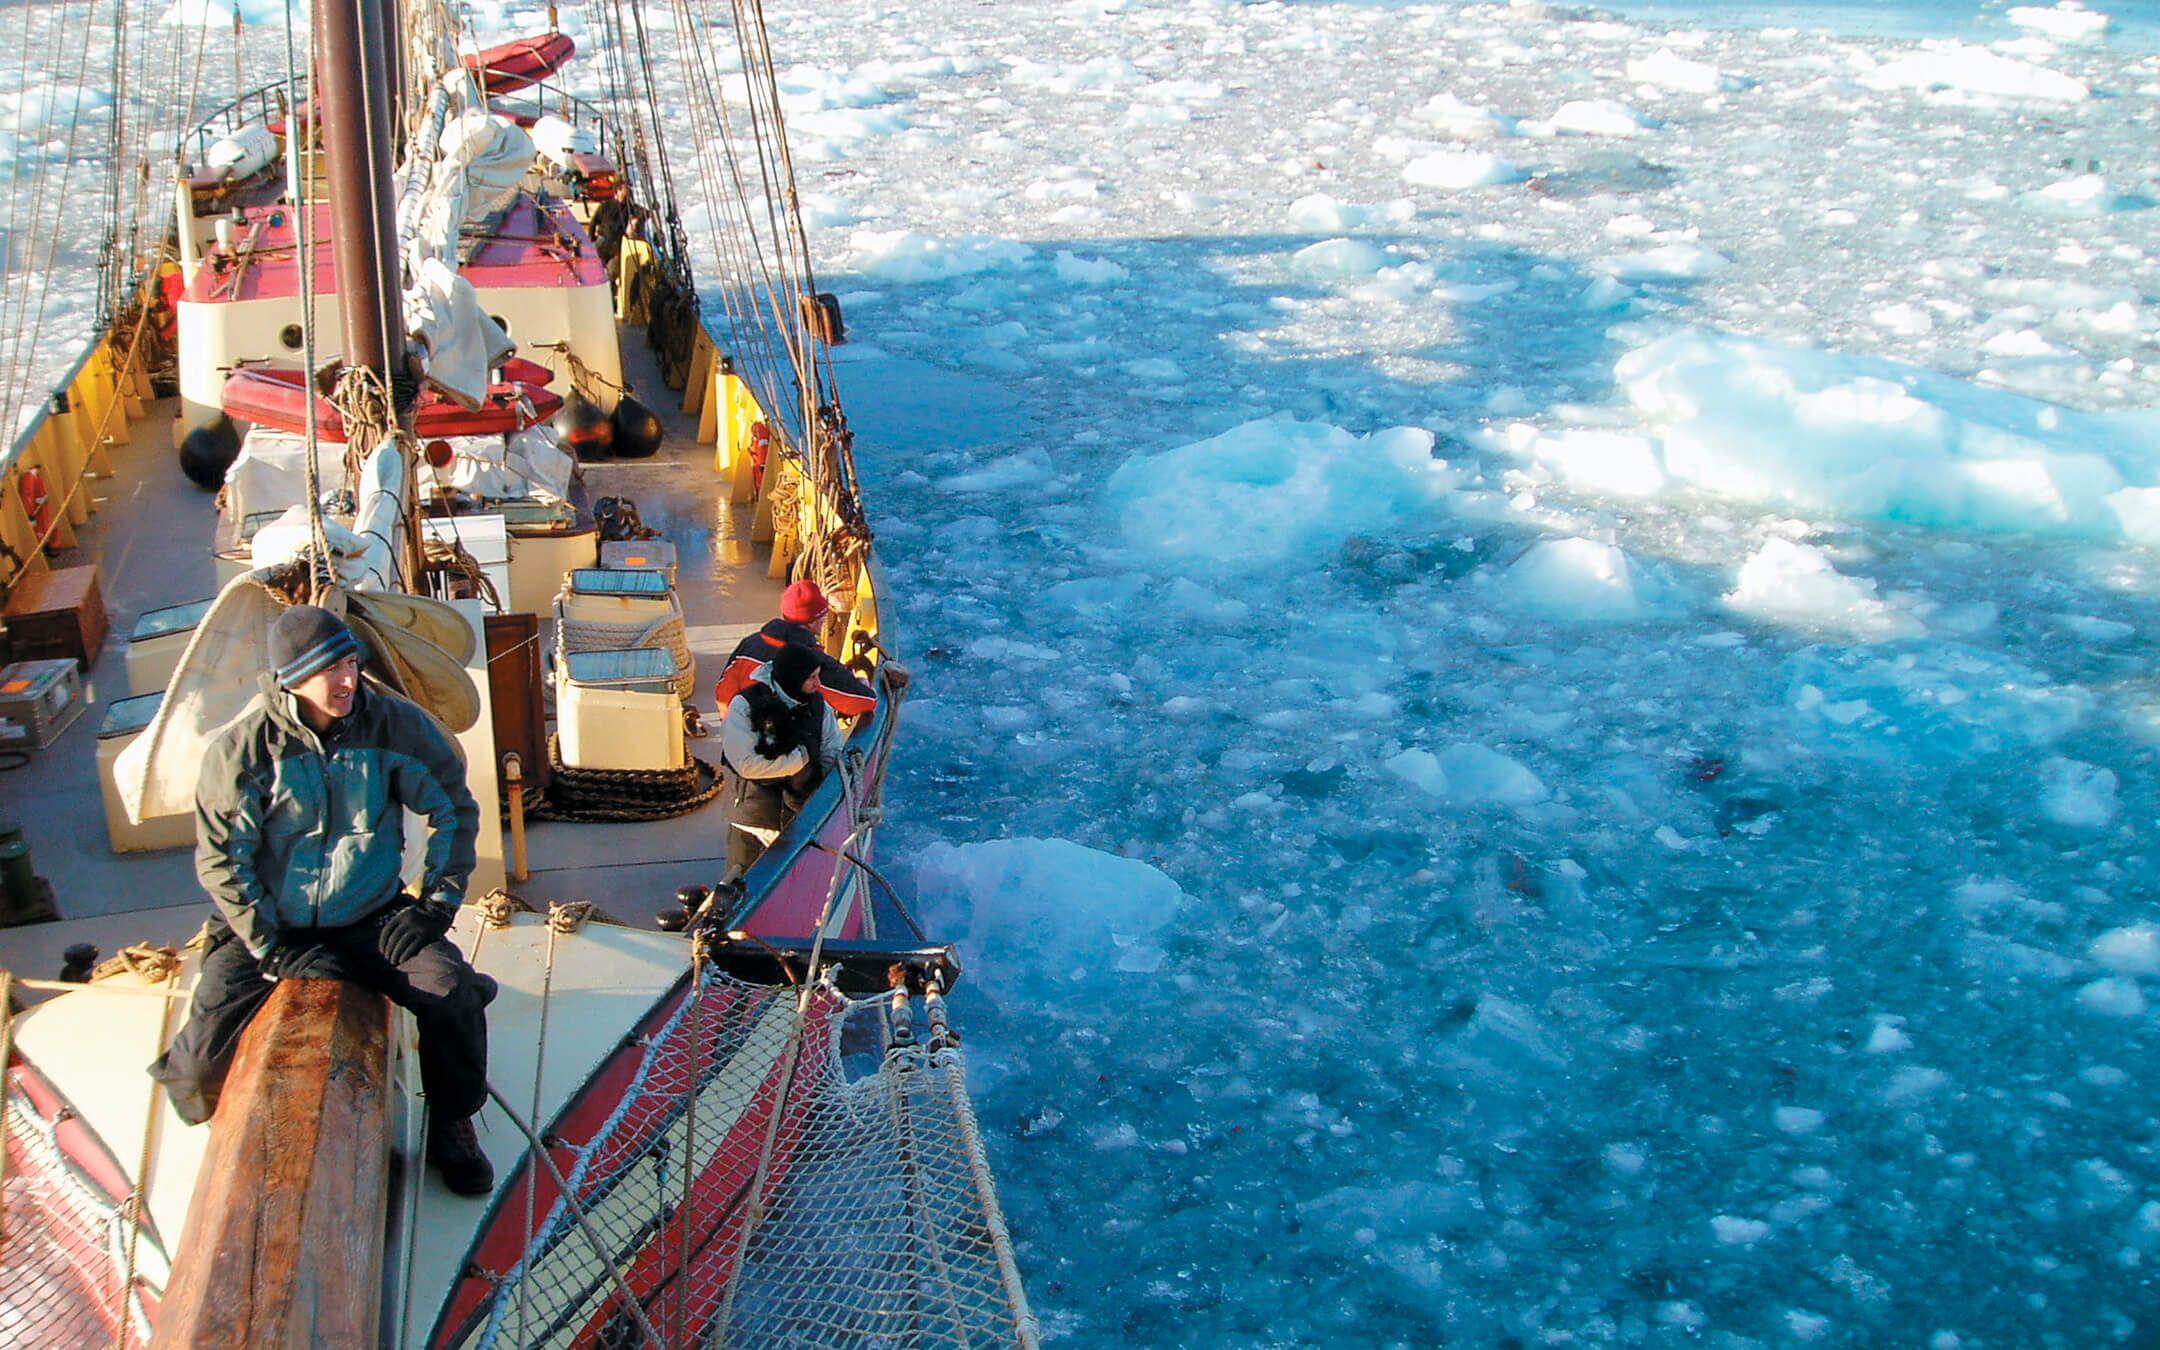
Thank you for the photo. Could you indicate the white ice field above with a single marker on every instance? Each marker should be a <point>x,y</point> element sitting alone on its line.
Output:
<point>1537,708</point>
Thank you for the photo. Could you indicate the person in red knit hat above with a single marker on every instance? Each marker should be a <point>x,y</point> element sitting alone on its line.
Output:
<point>803,607</point>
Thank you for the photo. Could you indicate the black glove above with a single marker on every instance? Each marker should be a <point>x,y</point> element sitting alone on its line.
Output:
<point>413,929</point>
<point>301,961</point>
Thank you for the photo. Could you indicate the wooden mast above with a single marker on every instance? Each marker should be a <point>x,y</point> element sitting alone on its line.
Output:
<point>285,1235</point>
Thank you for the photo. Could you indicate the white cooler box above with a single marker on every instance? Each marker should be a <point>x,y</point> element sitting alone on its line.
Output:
<point>618,710</point>
<point>156,642</point>
<point>601,610</point>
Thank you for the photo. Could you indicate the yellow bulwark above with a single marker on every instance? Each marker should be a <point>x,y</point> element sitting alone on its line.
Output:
<point>67,447</point>
<point>789,509</point>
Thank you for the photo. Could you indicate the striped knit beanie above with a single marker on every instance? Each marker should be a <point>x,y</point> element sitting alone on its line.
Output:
<point>306,639</point>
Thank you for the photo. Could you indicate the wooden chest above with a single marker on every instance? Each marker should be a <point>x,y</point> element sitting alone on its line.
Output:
<point>56,614</point>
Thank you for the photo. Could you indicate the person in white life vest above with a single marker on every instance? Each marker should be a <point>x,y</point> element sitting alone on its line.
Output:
<point>779,741</point>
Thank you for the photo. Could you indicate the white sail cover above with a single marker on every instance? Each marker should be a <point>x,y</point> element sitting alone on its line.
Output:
<point>482,160</point>
<point>270,473</point>
<point>531,463</point>
<point>459,343</point>
<point>218,673</point>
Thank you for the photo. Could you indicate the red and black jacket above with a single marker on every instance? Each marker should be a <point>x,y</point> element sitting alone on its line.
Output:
<point>844,689</point>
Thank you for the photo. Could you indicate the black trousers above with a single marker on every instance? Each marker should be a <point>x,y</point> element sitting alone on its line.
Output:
<point>447,997</point>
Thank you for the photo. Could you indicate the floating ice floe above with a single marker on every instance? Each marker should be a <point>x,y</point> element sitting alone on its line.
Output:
<point>1575,579</point>
<point>1933,704</point>
<point>1669,70</point>
<point>1078,271</point>
<point>1454,170</point>
<point>1958,68</point>
<point>1339,260</point>
<point>2077,795</point>
<point>830,133</point>
<point>1453,118</point>
<point>1098,78</point>
<point>1470,774</point>
<point>1036,911</point>
<point>905,256</point>
<point>1276,489</point>
<point>2064,22</point>
<point>1601,117</point>
<point>2130,950</point>
<point>1872,439</point>
<point>1795,584</point>
<point>2113,996</point>
<point>1666,262</point>
<point>2081,195</point>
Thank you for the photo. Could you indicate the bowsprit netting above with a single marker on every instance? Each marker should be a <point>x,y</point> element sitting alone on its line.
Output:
<point>864,1204</point>
<point>66,1278</point>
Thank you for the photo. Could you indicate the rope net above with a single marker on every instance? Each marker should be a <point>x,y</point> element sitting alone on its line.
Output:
<point>66,1268</point>
<point>863,1202</point>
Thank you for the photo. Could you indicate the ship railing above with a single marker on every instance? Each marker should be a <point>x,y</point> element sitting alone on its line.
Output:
<point>274,102</point>
<point>46,472</point>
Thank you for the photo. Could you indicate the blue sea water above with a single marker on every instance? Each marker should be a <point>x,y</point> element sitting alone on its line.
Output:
<point>1668,864</point>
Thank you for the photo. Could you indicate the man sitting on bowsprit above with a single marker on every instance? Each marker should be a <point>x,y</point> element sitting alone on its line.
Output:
<point>778,743</point>
<point>802,607</point>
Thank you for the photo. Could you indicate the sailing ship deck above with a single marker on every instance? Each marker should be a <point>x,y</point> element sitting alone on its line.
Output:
<point>150,539</point>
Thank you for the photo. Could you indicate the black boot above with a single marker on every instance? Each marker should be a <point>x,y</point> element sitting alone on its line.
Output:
<point>454,1150</point>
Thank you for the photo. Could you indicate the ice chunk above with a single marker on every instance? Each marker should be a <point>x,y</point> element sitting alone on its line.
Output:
<point>1670,70</point>
<point>1961,69</point>
<point>1575,579</point>
<point>1102,77</point>
<point>1452,170</point>
<point>1888,1035</point>
<point>1666,262</point>
<point>1912,1083</point>
<point>2131,950</point>
<point>905,256</point>
<point>1339,260</point>
<point>1625,1160</point>
<point>1616,463</point>
<point>1321,214</point>
<point>2066,21</point>
<point>2113,996</point>
<point>1795,584</point>
<point>1601,117</point>
<point>1034,910</point>
<point>2077,795</point>
<point>1272,490</point>
<point>1875,439</point>
<point>1454,118</point>
<point>1798,1119</point>
<point>831,133</point>
<point>1734,1231</point>
<point>1079,271</point>
<point>2084,194</point>
<point>1421,769</point>
<point>1477,774</point>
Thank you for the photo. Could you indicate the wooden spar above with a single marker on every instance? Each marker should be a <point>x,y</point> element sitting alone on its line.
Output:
<point>284,1238</point>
